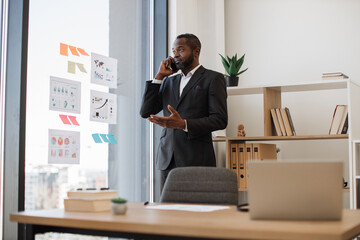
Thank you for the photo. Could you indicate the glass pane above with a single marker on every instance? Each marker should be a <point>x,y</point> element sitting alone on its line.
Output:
<point>61,153</point>
<point>84,90</point>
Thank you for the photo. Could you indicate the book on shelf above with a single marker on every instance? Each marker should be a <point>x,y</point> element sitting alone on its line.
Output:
<point>339,118</point>
<point>275,121</point>
<point>281,122</point>
<point>345,127</point>
<point>87,204</point>
<point>290,120</point>
<point>286,121</point>
<point>344,122</point>
<point>96,193</point>
<point>334,76</point>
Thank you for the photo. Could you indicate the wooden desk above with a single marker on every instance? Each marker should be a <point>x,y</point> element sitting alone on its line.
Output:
<point>170,224</point>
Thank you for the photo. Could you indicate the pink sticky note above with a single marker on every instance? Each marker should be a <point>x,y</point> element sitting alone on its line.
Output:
<point>64,119</point>
<point>73,120</point>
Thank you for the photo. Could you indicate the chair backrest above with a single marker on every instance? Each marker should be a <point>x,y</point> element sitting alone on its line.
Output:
<point>207,185</point>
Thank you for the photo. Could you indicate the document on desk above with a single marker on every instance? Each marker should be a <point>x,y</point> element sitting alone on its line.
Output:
<point>190,208</point>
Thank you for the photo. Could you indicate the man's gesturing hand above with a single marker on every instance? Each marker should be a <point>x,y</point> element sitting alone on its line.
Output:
<point>173,121</point>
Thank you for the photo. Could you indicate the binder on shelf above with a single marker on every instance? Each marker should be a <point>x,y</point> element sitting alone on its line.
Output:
<point>264,151</point>
<point>242,166</point>
<point>286,122</point>
<point>290,120</point>
<point>242,153</point>
<point>234,158</point>
<point>248,157</point>
<point>275,121</point>
<point>281,122</point>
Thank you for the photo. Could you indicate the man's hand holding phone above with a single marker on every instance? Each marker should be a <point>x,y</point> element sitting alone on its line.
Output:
<point>167,67</point>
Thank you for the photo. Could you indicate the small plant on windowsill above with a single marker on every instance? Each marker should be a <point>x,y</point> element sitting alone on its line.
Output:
<point>118,206</point>
<point>232,67</point>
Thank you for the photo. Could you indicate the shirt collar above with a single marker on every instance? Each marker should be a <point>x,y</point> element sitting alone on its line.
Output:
<point>191,72</point>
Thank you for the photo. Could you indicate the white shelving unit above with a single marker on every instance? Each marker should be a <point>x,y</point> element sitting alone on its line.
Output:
<point>272,99</point>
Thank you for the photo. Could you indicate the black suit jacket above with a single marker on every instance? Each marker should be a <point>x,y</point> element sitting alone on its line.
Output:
<point>202,104</point>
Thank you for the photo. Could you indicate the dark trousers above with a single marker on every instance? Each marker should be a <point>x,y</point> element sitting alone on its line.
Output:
<point>165,173</point>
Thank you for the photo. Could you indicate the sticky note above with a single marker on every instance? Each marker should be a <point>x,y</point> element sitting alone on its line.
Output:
<point>71,67</point>
<point>63,49</point>
<point>111,138</point>
<point>104,138</point>
<point>73,120</point>
<point>82,51</point>
<point>96,138</point>
<point>81,67</point>
<point>64,119</point>
<point>73,51</point>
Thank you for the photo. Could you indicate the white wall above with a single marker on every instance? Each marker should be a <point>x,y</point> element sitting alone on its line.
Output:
<point>205,19</point>
<point>285,42</point>
<point>293,40</point>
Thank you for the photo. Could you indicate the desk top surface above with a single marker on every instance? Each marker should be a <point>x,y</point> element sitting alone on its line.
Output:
<point>224,224</point>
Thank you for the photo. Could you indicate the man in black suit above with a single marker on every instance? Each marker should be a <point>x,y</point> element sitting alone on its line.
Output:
<point>193,103</point>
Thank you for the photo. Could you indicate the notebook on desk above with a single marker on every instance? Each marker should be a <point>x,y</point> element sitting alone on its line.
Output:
<point>295,190</point>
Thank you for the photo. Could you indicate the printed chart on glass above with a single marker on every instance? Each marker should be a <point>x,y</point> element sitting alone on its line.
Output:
<point>64,147</point>
<point>65,95</point>
<point>103,107</point>
<point>103,70</point>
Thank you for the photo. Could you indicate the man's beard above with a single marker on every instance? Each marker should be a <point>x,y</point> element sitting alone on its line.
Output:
<point>186,63</point>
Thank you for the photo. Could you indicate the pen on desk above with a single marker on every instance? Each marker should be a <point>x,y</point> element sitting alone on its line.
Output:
<point>146,203</point>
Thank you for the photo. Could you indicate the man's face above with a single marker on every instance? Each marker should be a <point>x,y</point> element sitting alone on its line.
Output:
<point>182,53</point>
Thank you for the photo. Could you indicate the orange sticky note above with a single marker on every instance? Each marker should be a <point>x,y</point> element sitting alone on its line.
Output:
<point>82,51</point>
<point>63,49</point>
<point>74,51</point>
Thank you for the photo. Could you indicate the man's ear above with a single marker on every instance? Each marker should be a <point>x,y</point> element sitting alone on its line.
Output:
<point>197,52</point>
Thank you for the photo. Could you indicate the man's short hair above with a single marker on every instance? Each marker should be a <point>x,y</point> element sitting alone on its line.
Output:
<point>191,40</point>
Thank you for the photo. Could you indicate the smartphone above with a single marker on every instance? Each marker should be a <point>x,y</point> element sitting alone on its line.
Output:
<point>173,67</point>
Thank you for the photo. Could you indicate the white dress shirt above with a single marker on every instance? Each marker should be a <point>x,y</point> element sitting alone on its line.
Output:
<point>184,80</point>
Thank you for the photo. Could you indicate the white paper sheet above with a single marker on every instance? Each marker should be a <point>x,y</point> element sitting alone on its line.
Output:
<point>65,95</point>
<point>64,147</point>
<point>103,70</point>
<point>191,208</point>
<point>103,107</point>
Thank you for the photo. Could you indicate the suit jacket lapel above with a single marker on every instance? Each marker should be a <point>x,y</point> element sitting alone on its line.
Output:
<point>176,86</point>
<point>194,79</point>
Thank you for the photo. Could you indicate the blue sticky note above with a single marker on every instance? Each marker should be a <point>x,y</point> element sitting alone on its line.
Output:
<point>111,138</point>
<point>104,138</point>
<point>96,138</point>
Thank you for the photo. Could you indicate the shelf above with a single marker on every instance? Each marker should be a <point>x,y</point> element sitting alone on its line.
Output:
<point>345,190</point>
<point>280,138</point>
<point>313,86</point>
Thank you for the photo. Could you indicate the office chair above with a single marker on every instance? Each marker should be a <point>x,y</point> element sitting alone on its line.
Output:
<point>207,185</point>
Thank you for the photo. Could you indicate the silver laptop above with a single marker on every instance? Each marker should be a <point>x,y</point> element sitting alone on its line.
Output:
<point>295,190</point>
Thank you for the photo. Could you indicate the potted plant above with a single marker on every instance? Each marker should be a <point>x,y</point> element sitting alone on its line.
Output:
<point>118,206</point>
<point>232,67</point>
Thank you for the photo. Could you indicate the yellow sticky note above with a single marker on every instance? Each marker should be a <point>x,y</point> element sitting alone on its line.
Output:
<point>81,67</point>
<point>71,67</point>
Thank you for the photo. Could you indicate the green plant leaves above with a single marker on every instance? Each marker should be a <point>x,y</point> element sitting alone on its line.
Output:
<point>232,65</point>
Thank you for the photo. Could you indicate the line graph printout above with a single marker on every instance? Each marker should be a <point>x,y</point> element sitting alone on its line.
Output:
<point>103,107</point>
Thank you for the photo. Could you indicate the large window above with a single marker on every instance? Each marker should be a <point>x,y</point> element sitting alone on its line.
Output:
<point>84,87</point>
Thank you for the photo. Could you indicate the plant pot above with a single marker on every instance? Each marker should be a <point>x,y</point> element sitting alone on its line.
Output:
<point>118,208</point>
<point>232,81</point>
